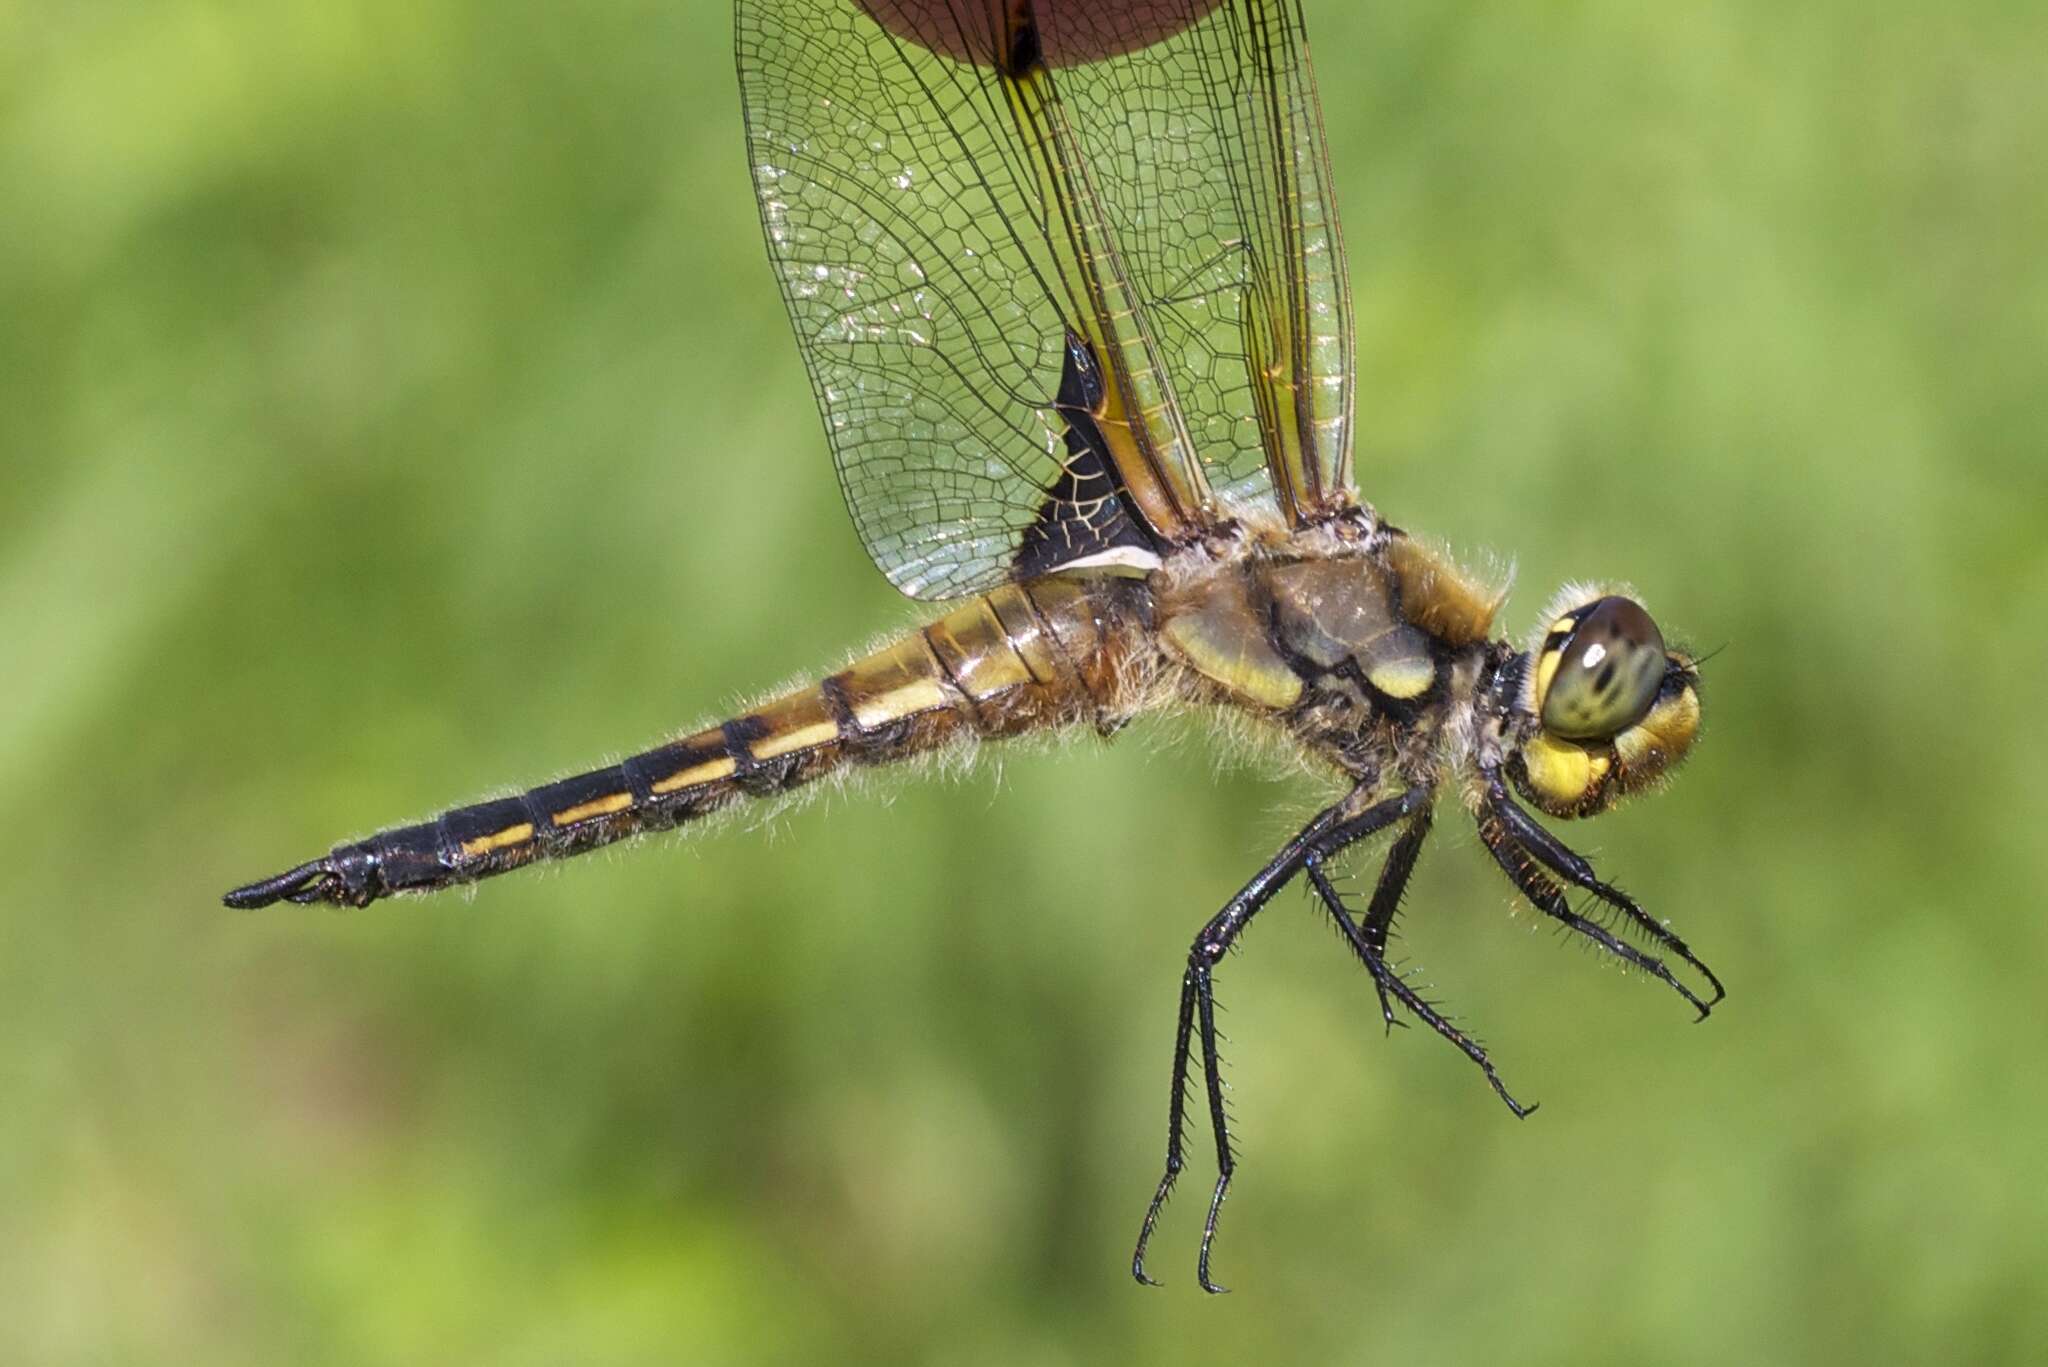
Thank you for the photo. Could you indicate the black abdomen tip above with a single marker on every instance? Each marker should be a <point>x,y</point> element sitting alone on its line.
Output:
<point>348,876</point>
<point>312,882</point>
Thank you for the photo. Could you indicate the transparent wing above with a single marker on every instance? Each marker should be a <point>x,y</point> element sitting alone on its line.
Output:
<point>1208,149</point>
<point>1025,247</point>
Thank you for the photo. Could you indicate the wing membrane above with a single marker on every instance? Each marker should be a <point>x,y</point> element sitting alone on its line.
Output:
<point>1209,148</point>
<point>953,197</point>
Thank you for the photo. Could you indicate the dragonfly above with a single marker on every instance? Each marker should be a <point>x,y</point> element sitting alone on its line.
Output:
<point>1070,288</point>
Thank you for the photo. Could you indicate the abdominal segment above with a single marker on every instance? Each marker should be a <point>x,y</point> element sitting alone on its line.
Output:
<point>1051,652</point>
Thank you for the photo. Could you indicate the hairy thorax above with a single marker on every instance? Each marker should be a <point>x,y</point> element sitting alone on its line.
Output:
<point>1365,645</point>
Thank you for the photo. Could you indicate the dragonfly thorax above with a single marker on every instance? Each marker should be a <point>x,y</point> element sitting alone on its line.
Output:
<point>1362,648</point>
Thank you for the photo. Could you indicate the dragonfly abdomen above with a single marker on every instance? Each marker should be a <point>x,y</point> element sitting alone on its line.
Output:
<point>1051,652</point>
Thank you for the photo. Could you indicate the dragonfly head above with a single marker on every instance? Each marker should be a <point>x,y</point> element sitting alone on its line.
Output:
<point>1602,708</point>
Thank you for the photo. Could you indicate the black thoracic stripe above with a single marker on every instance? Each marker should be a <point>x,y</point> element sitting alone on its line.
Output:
<point>1308,671</point>
<point>1258,594</point>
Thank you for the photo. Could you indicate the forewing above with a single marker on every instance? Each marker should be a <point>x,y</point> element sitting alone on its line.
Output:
<point>967,197</point>
<point>1209,151</point>
<point>917,249</point>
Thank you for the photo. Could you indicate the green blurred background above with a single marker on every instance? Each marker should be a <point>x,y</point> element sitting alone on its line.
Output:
<point>397,404</point>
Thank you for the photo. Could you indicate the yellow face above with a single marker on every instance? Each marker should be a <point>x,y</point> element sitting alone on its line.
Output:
<point>1615,709</point>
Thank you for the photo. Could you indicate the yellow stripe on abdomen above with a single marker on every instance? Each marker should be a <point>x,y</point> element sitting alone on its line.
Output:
<point>796,721</point>
<point>498,840</point>
<point>900,680</point>
<point>710,771</point>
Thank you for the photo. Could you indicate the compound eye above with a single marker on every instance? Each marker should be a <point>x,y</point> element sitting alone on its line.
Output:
<point>1609,662</point>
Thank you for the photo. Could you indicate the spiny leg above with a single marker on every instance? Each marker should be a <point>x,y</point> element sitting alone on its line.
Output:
<point>1388,981</point>
<point>1361,944</point>
<point>1197,993</point>
<point>1328,833</point>
<point>1571,866</point>
<point>1547,897</point>
<point>1219,1125</point>
<point>1386,902</point>
<point>1387,894</point>
<point>1175,1125</point>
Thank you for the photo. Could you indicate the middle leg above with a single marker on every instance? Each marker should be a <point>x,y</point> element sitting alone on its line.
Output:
<point>1371,952</point>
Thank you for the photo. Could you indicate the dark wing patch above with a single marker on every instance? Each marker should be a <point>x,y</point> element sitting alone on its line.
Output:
<point>950,188</point>
<point>1087,514</point>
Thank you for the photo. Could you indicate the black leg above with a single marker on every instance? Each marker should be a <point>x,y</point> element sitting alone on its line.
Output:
<point>1569,865</point>
<point>1219,1125</point>
<point>1330,832</point>
<point>1388,981</point>
<point>1386,897</point>
<point>1360,941</point>
<point>1176,1124</point>
<point>1546,896</point>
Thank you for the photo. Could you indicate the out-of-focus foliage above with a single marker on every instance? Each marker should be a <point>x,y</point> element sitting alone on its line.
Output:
<point>396,404</point>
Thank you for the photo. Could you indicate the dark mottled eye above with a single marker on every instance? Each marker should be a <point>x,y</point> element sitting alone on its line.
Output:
<point>1609,659</point>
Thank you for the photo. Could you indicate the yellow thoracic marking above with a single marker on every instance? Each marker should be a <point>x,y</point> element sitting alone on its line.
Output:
<point>1403,678</point>
<point>1441,598</point>
<point>1562,772</point>
<point>498,840</point>
<point>1562,626</point>
<point>601,806</point>
<point>710,771</point>
<point>1224,637</point>
<point>1240,661</point>
<point>799,738</point>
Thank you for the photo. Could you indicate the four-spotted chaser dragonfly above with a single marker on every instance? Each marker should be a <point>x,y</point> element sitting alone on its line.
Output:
<point>1068,282</point>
